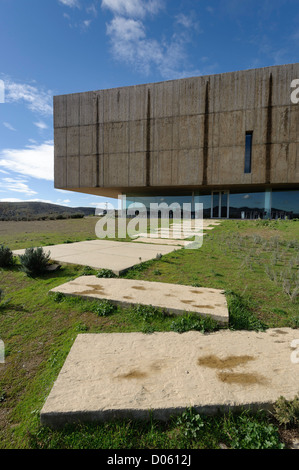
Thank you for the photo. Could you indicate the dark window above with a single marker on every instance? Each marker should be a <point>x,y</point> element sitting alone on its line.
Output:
<point>248,151</point>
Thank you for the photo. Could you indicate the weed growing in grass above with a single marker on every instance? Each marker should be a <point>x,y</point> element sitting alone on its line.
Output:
<point>147,312</point>
<point>58,297</point>
<point>103,308</point>
<point>107,273</point>
<point>6,257</point>
<point>240,316</point>
<point>192,423</point>
<point>193,322</point>
<point>286,412</point>
<point>251,432</point>
<point>87,271</point>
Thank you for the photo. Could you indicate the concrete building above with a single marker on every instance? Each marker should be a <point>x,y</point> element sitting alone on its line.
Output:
<point>230,141</point>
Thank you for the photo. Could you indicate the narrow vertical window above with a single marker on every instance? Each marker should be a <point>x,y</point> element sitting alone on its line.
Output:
<point>248,151</point>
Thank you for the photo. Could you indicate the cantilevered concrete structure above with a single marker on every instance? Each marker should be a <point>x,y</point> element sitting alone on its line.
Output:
<point>230,141</point>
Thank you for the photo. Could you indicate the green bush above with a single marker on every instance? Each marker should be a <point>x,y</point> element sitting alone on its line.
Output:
<point>193,322</point>
<point>287,411</point>
<point>103,308</point>
<point>6,257</point>
<point>106,273</point>
<point>34,261</point>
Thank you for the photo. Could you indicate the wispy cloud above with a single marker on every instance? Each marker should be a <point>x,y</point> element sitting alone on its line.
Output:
<point>70,3</point>
<point>9,126</point>
<point>17,185</point>
<point>133,8</point>
<point>36,99</point>
<point>41,125</point>
<point>34,160</point>
<point>130,43</point>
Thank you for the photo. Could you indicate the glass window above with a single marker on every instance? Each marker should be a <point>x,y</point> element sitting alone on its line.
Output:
<point>248,151</point>
<point>285,204</point>
<point>247,205</point>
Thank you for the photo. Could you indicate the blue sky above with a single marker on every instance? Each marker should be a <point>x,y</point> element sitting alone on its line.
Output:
<point>53,47</point>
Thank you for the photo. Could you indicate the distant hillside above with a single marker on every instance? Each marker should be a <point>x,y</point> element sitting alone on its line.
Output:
<point>41,211</point>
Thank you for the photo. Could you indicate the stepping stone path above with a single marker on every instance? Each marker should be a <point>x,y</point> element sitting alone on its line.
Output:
<point>131,375</point>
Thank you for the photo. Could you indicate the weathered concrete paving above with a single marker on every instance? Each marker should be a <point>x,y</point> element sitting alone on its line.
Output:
<point>125,375</point>
<point>98,254</point>
<point>172,297</point>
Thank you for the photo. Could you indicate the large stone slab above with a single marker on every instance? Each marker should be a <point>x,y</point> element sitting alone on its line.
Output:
<point>129,375</point>
<point>117,256</point>
<point>172,297</point>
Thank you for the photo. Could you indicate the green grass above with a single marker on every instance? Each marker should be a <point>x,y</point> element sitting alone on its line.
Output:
<point>245,259</point>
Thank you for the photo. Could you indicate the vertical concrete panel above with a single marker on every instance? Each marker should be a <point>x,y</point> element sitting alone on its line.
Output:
<point>60,142</point>
<point>138,102</point>
<point>137,174</point>
<point>73,141</point>
<point>163,99</point>
<point>279,169</point>
<point>117,105</point>
<point>137,136</point>
<point>189,167</point>
<point>116,137</point>
<point>258,164</point>
<point>73,172</point>
<point>190,131</point>
<point>73,110</point>
<point>240,127</point>
<point>118,170</point>
<point>88,108</point>
<point>191,98</point>
<point>86,140</point>
<point>162,129</point>
<point>163,173</point>
<point>281,124</point>
<point>60,172</point>
<point>88,171</point>
<point>59,110</point>
<point>293,163</point>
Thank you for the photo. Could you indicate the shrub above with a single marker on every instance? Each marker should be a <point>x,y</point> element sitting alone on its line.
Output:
<point>287,412</point>
<point>193,322</point>
<point>103,308</point>
<point>34,261</point>
<point>6,256</point>
<point>147,312</point>
<point>106,273</point>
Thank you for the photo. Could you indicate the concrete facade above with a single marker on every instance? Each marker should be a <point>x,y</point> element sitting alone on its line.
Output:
<point>186,134</point>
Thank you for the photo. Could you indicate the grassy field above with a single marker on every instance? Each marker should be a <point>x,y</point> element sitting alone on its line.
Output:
<point>255,262</point>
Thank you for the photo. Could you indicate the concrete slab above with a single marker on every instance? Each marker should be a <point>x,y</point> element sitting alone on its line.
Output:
<point>163,241</point>
<point>129,375</point>
<point>174,298</point>
<point>98,254</point>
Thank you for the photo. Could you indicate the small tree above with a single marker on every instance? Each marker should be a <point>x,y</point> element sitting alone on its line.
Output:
<point>34,261</point>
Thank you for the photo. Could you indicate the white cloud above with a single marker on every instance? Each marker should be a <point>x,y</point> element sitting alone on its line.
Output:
<point>9,126</point>
<point>130,45</point>
<point>133,8</point>
<point>86,23</point>
<point>17,185</point>
<point>34,160</point>
<point>70,3</point>
<point>36,100</point>
<point>41,125</point>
